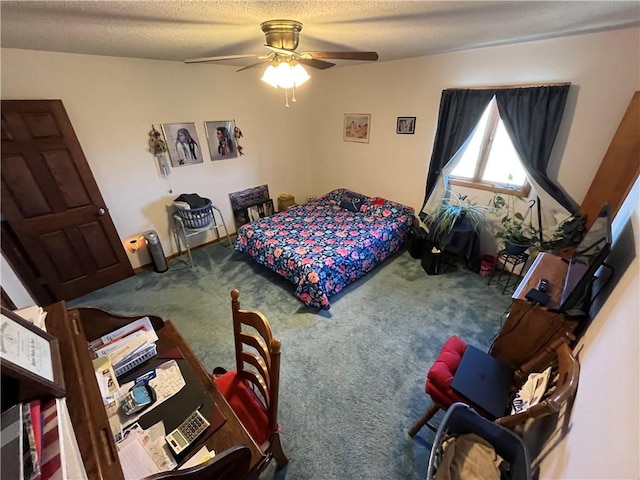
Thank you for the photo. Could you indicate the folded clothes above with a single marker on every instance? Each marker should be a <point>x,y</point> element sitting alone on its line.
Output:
<point>192,199</point>
<point>182,205</point>
<point>469,457</point>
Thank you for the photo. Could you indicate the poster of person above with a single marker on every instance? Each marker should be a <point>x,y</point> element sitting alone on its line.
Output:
<point>356,127</point>
<point>183,144</point>
<point>220,139</point>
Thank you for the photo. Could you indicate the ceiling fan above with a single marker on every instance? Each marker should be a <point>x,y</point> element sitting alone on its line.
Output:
<point>282,37</point>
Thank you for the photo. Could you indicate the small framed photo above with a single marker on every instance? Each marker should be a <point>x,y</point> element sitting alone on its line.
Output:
<point>357,127</point>
<point>406,125</point>
<point>183,144</point>
<point>220,138</point>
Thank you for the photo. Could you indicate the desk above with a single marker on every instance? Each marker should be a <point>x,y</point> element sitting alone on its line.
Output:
<point>74,328</point>
<point>529,328</point>
<point>547,266</point>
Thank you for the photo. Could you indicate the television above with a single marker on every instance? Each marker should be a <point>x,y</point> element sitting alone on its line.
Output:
<point>587,258</point>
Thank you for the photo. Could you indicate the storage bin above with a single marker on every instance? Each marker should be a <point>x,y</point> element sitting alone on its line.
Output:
<point>461,419</point>
<point>285,201</point>
<point>196,217</point>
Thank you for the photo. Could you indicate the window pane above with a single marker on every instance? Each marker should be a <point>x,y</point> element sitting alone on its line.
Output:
<point>467,166</point>
<point>503,165</point>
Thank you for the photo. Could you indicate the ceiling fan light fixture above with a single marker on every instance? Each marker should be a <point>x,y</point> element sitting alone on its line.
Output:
<point>271,76</point>
<point>300,75</point>
<point>284,75</point>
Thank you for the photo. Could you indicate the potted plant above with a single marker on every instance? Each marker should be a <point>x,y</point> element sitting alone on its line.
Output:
<point>569,233</point>
<point>518,233</point>
<point>454,209</point>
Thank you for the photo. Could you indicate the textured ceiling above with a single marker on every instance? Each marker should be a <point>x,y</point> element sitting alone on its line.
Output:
<point>177,30</point>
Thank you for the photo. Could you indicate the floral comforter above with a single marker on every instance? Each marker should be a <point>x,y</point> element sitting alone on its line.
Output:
<point>321,247</point>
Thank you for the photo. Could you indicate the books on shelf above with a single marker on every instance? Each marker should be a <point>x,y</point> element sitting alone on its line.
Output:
<point>39,443</point>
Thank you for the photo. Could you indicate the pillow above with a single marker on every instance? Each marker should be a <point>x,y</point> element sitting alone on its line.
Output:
<point>352,201</point>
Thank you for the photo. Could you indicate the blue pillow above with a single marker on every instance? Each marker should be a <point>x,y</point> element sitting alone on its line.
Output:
<point>352,201</point>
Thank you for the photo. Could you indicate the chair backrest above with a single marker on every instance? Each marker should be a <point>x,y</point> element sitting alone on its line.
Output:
<point>231,464</point>
<point>257,357</point>
<point>562,384</point>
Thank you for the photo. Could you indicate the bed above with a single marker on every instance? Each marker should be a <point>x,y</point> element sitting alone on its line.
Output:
<point>328,243</point>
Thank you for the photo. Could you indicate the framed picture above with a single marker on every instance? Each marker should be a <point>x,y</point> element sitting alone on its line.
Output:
<point>357,127</point>
<point>31,356</point>
<point>183,144</point>
<point>222,143</point>
<point>406,125</point>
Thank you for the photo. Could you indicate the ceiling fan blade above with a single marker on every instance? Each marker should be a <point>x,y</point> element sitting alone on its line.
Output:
<point>369,56</point>
<point>222,57</point>
<point>253,65</point>
<point>321,64</point>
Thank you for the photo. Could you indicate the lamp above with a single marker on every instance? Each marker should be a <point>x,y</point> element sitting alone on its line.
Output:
<point>285,74</point>
<point>134,245</point>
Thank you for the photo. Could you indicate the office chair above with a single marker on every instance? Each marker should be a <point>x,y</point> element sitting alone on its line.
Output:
<point>232,464</point>
<point>561,387</point>
<point>252,389</point>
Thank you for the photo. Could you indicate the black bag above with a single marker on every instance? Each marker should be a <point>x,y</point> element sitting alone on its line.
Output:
<point>430,260</point>
<point>416,241</point>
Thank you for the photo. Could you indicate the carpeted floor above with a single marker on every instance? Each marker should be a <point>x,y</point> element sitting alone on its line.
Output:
<point>352,378</point>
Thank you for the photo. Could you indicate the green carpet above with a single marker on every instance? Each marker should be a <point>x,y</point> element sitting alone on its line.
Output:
<point>352,377</point>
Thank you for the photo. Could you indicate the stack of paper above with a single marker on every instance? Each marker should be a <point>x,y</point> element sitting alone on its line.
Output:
<point>33,314</point>
<point>128,346</point>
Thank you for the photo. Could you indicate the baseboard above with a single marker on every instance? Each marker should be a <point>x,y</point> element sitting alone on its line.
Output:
<point>174,255</point>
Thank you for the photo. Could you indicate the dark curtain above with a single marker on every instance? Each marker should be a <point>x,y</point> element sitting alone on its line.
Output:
<point>531,117</point>
<point>460,112</point>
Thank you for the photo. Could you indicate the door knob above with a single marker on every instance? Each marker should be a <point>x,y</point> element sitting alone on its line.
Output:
<point>101,211</point>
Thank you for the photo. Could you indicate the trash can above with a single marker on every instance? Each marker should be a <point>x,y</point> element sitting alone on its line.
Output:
<point>487,265</point>
<point>155,250</point>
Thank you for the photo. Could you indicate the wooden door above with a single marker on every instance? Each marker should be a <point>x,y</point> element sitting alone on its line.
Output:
<point>619,168</point>
<point>53,206</point>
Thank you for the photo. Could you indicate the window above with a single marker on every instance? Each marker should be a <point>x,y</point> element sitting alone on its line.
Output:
<point>490,162</point>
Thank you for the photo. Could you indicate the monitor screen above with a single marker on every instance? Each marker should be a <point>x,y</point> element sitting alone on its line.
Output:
<point>587,258</point>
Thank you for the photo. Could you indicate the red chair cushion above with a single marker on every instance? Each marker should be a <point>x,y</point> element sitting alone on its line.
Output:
<point>245,404</point>
<point>441,373</point>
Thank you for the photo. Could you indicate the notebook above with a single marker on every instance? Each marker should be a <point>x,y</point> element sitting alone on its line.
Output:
<point>483,380</point>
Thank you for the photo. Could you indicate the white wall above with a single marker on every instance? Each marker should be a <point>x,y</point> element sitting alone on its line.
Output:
<point>112,103</point>
<point>604,70</point>
<point>603,440</point>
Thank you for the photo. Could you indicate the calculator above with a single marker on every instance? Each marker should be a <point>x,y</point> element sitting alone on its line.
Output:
<point>192,427</point>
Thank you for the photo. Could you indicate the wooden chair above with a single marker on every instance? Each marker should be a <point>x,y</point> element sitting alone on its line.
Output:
<point>252,389</point>
<point>561,387</point>
<point>232,464</point>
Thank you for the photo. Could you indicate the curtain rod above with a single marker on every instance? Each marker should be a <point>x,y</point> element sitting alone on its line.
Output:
<point>521,85</point>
